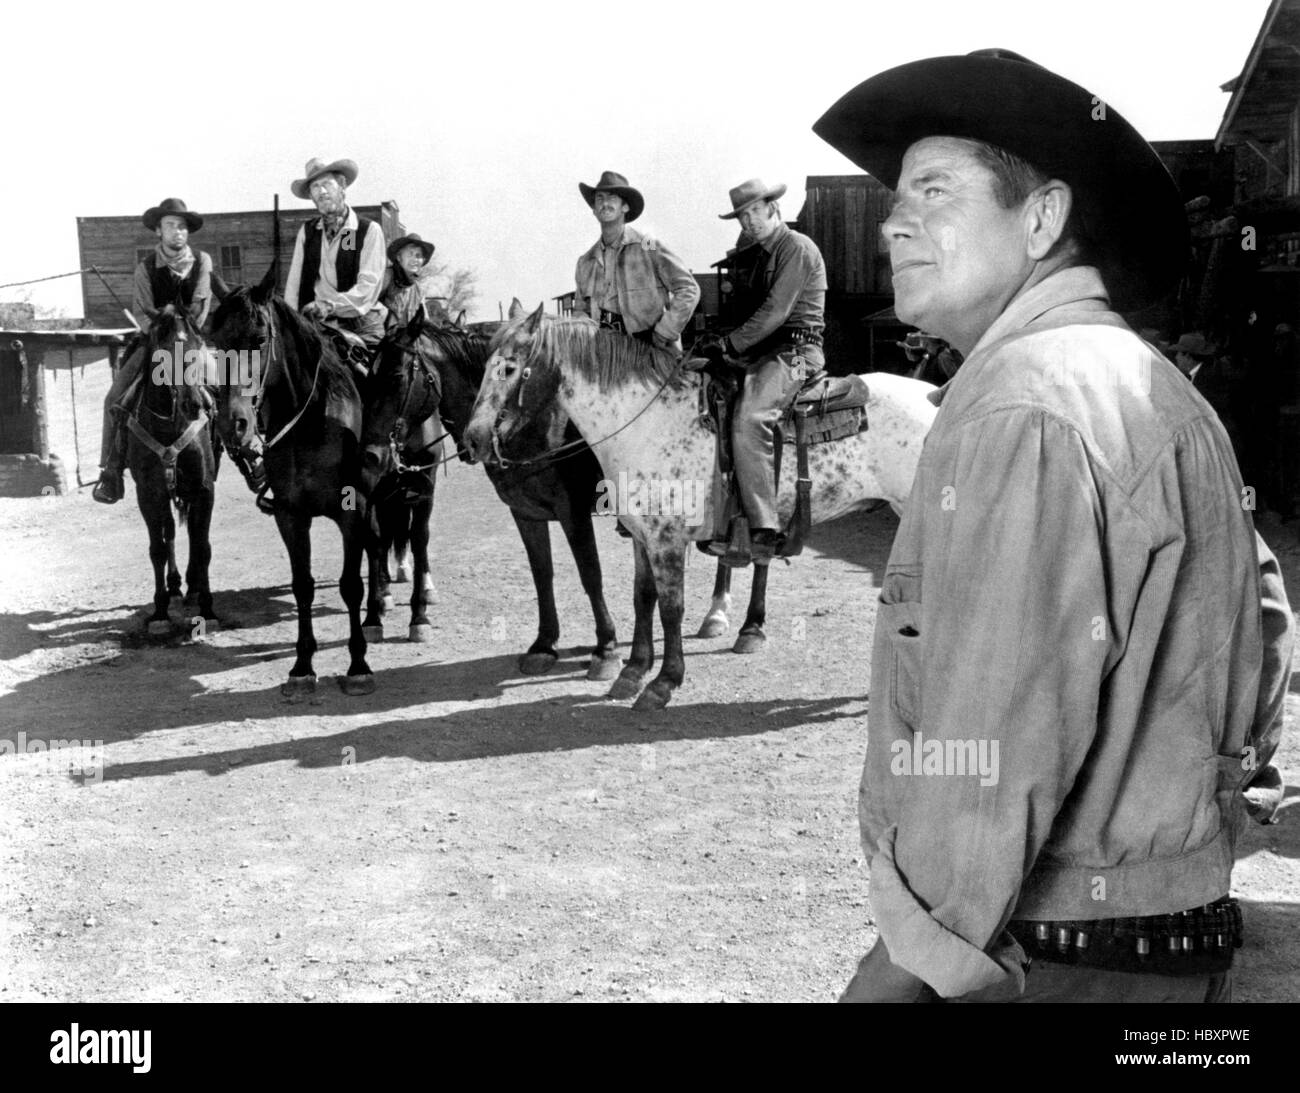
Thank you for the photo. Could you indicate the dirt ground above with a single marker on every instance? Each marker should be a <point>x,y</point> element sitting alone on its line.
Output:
<point>464,833</point>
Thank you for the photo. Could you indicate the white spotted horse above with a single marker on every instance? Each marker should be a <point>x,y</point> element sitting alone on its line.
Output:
<point>639,412</point>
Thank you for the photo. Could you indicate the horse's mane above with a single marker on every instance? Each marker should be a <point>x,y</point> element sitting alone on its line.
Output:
<point>604,357</point>
<point>335,380</point>
<point>466,350</point>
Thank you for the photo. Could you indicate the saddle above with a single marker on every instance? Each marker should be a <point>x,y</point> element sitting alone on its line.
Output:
<point>826,408</point>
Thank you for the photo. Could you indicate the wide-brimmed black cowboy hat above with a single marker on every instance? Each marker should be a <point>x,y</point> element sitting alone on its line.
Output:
<point>301,187</point>
<point>611,182</point>
<point>1127,205</point>
<point>171,206</point>
<point>412,240</point>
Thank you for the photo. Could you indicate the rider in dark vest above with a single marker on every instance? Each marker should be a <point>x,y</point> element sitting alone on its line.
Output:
<point>337,271</point>
<point>171,274</point>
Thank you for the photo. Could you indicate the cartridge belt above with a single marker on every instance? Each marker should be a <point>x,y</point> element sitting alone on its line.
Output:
<point>1195,942</point>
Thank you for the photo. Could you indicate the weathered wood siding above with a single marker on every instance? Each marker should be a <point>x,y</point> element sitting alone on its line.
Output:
<point>842,214</point>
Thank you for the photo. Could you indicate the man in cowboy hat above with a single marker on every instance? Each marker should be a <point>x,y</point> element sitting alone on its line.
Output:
<point>1069,690</point>
<point>407,279</point>
<point>337,270</point>
<point>780,344</point>
<point>173,274</point>
<point>629,281</point>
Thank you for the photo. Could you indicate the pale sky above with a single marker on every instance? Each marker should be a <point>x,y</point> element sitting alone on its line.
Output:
<point>480,119</point>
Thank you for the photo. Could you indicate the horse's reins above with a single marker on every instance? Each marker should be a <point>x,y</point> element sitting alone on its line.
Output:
<point>269,345</point>
<point>552,454</point>
<point>168,454</point>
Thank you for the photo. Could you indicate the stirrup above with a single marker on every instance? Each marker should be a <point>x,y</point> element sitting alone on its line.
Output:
<point>265,504</point>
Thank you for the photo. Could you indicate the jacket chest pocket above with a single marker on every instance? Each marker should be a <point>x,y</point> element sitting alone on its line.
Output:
<point>898,619</point>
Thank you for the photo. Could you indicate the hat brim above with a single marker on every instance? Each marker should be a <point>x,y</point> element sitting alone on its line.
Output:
<point>397,245</point>
<point>774,194</point>
<point>152,217</point>
<point>635,202</point>
<point>1124,195</point>
<point>301,188</point>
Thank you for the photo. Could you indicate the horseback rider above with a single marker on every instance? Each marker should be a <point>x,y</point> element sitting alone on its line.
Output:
<point>170,274</point>
<point>629,281</point>
<point>407,279</point>
<point>337,271</point>
<point>780,346</point>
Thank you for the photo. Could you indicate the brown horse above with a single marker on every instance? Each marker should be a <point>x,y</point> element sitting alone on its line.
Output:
<point>169,452</point>
<point>304,413</point>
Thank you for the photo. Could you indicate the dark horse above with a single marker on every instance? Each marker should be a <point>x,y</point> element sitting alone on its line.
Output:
<point>306,408</point>
<point>536,493</point>
<point>169,452</point>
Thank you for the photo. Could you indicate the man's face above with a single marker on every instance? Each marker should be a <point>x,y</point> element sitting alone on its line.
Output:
<point>411,258</point>
<point>174,232</point>
<point>327,193</point>
<point>609,208</point>
<point>1185,362</point>
<point>958,257</point>
<point>758,220</point>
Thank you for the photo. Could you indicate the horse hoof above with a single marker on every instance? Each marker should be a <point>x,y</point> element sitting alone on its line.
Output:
<point>625,688</point>
<point>403,574</point>
<point>750,643</point>
<point>654,697</point>
<point>298,685</point>
<point>603,668</point>
<point>210,624</point>
<point>358,685</point>
<point>373,634</point>
<point>386,603</point>
<point>420,631</point>
<point>537,664</point>
<point>713,626</point>
<point>158,627</point>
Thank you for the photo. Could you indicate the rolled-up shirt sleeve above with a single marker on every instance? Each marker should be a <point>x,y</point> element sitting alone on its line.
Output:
<point>142,302</point>
<point>1016,644</point>
<point>1263,785</point>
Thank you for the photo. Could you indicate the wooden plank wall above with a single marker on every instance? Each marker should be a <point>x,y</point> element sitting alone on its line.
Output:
<point>111,242</point>
<point>842,214</point>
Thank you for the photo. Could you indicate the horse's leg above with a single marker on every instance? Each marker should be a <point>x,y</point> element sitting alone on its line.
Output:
<point>198,525</point>
<point>419,515</point>
<point>751,638</point>
<point>541,655</point>
<point>716,622</point>
<point>295,530</point>
<point>169,536</point>
<point>378,597</point>
<point>155,522</point>
<point>578,529</point>
<point>357,541</point>
<point>644,595</point>
<point>398,544</point>
<point>668,570</point>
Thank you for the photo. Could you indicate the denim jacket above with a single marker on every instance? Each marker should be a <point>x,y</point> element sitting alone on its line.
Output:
<point>1072,608</point>
<point>655,290</point>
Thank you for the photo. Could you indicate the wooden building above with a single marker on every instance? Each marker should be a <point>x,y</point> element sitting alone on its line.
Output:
<point>242,246</point>
<point>27,466</point>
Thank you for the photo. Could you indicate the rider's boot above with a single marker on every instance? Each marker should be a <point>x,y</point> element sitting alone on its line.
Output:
<point>109,489</point>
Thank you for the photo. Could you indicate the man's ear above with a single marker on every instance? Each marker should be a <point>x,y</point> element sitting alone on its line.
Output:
<point>1048,211</point>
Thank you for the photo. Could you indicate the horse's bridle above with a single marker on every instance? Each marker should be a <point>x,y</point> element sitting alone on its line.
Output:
<point>404,419</point>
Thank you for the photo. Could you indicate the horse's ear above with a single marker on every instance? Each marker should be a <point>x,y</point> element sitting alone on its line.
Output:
<point>516,310</point>
<point>219,287</point>
<point>265,287</point>
<point>460,319</point>
<point>416,326</point>
<point>535,319</point>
